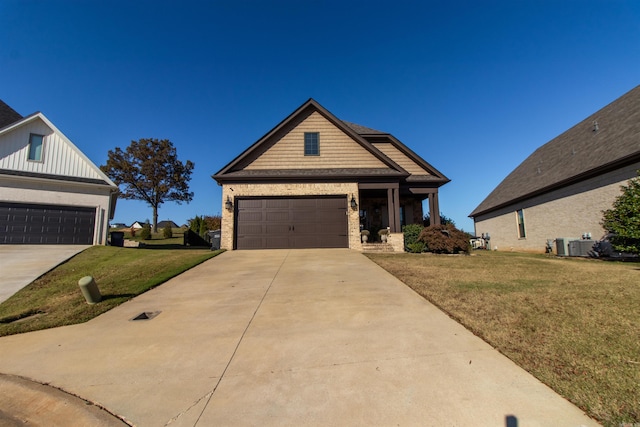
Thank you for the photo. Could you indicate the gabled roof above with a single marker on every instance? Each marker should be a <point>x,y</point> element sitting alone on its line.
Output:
<point>604,141</point>
<point>362,135</point>
<point>103,179</point>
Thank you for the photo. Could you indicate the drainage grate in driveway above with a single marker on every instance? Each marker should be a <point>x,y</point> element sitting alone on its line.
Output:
<point>146,315</point>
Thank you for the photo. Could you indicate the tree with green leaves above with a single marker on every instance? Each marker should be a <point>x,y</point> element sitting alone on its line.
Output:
<point>149,170</point>
<point>623,220</point>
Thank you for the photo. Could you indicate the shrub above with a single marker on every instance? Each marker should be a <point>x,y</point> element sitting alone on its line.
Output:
<point>145,232</point>
<point>167,231</point>
<point>623,220</point>
<point>411,233</point>
<point>416,247</point>
<point>444,239</point>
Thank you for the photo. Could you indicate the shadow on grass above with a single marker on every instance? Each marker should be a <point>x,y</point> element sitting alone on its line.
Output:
<point>173,246</point>
<point>118,296</point>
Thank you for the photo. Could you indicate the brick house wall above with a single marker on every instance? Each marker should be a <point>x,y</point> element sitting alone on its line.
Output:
<point>567,212</point>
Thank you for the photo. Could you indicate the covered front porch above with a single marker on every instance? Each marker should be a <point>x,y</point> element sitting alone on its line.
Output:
<point>391,206</point>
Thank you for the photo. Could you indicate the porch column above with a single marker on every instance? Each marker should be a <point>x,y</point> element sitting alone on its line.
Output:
<point>434,208</point>
<point>393,207</point>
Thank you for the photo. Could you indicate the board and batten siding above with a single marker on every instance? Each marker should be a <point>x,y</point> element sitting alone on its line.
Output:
<point>400,158</point>
<point>337,149</point>
<point>58,157</point>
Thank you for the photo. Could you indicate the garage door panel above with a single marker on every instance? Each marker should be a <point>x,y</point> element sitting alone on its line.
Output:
<point>274,229</point>
<point>277,223</point>
<point>46,224</point>
<point>279,216</point>
<point>276,203</point>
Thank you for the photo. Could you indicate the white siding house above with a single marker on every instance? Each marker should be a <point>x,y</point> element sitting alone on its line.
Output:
<point>50,192</point>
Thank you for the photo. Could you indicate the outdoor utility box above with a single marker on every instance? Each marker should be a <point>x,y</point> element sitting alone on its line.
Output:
<point>562,245</point>
<point>117,238</point>
<point>582,248</point>
<point>215,239</point>
<point>90,290</point>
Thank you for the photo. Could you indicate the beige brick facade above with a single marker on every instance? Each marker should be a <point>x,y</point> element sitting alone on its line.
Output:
<point>346,189</point>
<point>568,212</point>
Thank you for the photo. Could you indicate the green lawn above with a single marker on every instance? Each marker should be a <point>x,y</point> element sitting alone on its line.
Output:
<point>121,274</point>
<point>573,323</point>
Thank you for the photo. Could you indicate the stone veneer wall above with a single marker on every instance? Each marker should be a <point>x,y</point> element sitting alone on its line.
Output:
<point>397,241</point>
<point>290,190</point>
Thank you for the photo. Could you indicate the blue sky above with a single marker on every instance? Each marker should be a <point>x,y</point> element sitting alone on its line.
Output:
<point>473,87</point>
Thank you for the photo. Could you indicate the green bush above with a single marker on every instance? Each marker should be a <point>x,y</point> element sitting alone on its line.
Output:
<point>145,232</point>
<point>444,239</point>
<point>416,247</point>
<point>167,231</point>
<point>411,233</point>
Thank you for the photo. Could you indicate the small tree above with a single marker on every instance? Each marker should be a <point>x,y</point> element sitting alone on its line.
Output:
<point>149,170</point>
<point>167,231</point>
<point>444,220</point>
<point>145,233</point>
<point>623,220</point>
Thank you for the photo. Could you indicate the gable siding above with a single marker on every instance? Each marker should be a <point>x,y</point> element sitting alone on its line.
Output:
<point>337,150</point>
<point>59,158</point>
<point>400,158</point>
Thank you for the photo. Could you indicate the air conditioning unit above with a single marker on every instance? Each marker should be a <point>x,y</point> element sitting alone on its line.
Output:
<point>582,248</point>
<point>562,245</point>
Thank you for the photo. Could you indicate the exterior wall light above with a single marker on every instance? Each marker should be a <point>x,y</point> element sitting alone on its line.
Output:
<point>354,205</point>
<point>228,204</point>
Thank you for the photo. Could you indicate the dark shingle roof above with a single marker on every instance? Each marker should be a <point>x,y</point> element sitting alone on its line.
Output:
<point>605,140</point>
<point>7,115</point>
<point>363,130</point>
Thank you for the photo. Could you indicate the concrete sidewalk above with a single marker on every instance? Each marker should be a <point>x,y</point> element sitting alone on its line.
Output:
<point>308,337</point>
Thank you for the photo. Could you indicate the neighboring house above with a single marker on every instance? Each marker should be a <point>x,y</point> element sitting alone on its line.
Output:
<point>138,225</point>
<point>561,190</point>
<point>163,224</point>
<point>50,192</point>
<point>315,181</point>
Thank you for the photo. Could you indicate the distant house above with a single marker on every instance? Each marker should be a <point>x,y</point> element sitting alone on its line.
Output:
<point>163,224</point>
<point>138,224</point>
<point>314,181</point>
<point>118,225</point>
<point>50,192</point>
<point>562,188</point>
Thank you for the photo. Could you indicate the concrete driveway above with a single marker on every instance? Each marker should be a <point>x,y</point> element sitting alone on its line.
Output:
<point>307,337</point>
<point>22,264</point>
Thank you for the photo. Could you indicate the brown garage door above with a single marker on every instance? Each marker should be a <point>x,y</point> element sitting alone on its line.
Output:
<point>22,223</point>
<point>296,223</point>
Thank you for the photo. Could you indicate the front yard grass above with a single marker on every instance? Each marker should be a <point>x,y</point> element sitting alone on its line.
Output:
<point>572,323</point>
<point>55,299</point>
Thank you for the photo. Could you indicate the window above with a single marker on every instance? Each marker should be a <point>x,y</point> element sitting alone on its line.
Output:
<point>311,144</point>
<point>35,147</point>
<point>521,232</point>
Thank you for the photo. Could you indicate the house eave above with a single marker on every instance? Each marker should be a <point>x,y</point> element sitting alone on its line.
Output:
<point>8,173</point>
<point>624,161</point>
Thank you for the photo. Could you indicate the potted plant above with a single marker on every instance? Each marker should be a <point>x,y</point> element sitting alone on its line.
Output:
<point>364,235</point>
<point>383,233</point>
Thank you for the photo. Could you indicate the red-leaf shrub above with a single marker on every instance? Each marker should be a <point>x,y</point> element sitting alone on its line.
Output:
<point>444,239</point>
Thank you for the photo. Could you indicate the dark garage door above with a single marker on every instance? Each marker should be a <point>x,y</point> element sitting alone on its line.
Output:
<point>296,223</point>
<point>46,224</point>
